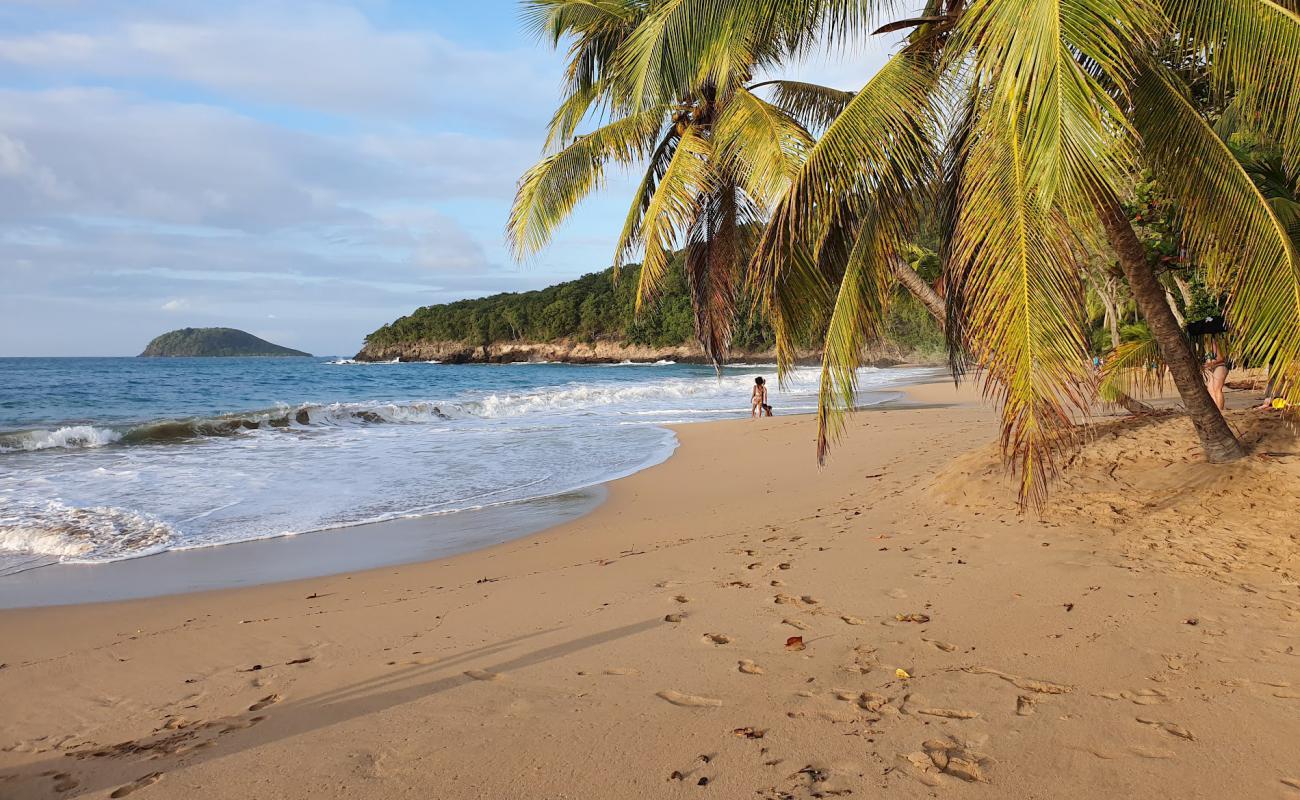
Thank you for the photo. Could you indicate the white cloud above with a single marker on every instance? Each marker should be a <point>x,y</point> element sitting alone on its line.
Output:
<point>252,161</point>
<point>322,56</point>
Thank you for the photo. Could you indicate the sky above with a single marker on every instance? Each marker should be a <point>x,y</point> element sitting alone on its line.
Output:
<point>306,171</point>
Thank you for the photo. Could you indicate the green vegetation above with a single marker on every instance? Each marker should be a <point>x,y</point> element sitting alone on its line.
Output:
<point>211,342</point>
<point>1026,128</point>
<point>596,307</point>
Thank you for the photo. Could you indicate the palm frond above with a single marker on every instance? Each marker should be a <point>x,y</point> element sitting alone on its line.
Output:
<point>1011,279</point>
<point>630,241</point>
<point>813,106</point>
<point>759,143</point>
<point>1027,51</point>
<point>856,320</point>
<point>554,19</point>
<point>672,210</point>
<point>569,115</point>
<point>1133,369</point>
<point>684,43</point>
<point>1229,226</point>
<point>1253,47</point>
<point>875,155</point>
<point>548,192</point>
<point>869,162</point>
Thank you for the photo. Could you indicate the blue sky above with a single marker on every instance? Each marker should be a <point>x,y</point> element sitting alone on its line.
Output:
<point>305,171</point>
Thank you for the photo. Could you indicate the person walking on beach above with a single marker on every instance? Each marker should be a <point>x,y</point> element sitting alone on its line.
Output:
<point>1216,376</point>
<point>758,400</point>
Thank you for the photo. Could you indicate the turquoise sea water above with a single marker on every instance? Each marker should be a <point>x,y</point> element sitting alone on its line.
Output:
<point>109,458</point>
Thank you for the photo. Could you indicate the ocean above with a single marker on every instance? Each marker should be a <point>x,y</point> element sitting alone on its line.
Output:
<point>104,459</point>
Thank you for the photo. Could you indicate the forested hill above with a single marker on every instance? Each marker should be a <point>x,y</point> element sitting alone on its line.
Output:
<point>214,342</point>
<point>593,319</point>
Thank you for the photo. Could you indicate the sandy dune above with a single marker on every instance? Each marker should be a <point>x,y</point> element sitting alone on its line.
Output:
<point>732,624</point>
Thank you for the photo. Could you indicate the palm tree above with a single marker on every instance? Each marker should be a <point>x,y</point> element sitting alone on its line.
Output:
<point>1136,366</point>
<point>1033,117</point>
<point>716,154</point>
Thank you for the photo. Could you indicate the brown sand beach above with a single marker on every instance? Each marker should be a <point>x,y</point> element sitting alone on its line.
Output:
<point>733,623</point>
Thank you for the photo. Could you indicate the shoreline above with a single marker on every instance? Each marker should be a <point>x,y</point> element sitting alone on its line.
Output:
<point>645,650</point>
<point>294,556</point>
<point>338,550</point>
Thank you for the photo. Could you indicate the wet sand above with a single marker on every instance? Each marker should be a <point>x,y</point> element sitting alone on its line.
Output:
<point>734,623</point>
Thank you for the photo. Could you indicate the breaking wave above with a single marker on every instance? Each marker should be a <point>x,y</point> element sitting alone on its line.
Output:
<point>574,398</point>
<point>70,534</point>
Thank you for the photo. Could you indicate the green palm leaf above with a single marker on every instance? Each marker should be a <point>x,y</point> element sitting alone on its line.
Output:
<point>856,319</point>
<point>673,209</point>
<point>1026,51</point>
<point>813,106</point>
<point>548,192</point>
<point>1253,47</point>
<point>760,144</point>
<point>1132,369</point>
<point>1229,225</point>
<point>1010,276</point>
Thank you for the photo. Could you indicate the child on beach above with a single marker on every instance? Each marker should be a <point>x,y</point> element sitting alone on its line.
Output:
<point>758,400</point>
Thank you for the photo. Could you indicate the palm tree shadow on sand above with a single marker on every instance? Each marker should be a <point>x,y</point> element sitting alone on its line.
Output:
<point>127,766</point>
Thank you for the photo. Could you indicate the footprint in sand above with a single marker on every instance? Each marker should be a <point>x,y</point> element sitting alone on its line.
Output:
<point>949,758</point>
<point>138,783</point>
<point>674,617</point>
<point>63,782</point>
<point>944,646</point>
<point>681,598</point>
<point>717,638</point>
<point>688,700</point>
<point>1170,728</point>
<point>897,594</point>
<point>269,700</point>
<point>796,624</point>
<point>750,668</point>
<point>622,671</point>
<point>1142,697</point>
<point>482,675</point>
<point>948,713</point>
<point>1025,705</point>
<point>1030,684</point>
<point>1151,752</point>
<point>849,619</point>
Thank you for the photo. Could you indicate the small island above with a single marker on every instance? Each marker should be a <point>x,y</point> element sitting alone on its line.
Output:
<point>214,343</point>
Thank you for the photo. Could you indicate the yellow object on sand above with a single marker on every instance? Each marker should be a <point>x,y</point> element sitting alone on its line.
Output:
<point>1279,404</point>
<point>902,673</point>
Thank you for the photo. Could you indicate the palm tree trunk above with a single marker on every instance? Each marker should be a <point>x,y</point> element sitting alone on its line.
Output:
<point>1173,308</point>
<point>1217,439</point>
<point>1185,290</point>
<point>1111,303</point>
<point>1132,405</point>
<point>921,291</point>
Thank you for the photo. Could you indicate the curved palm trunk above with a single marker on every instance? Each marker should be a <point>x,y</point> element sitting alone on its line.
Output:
<point>1217,439</point>
<point>921,291</point>
<point>1133,406</point>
